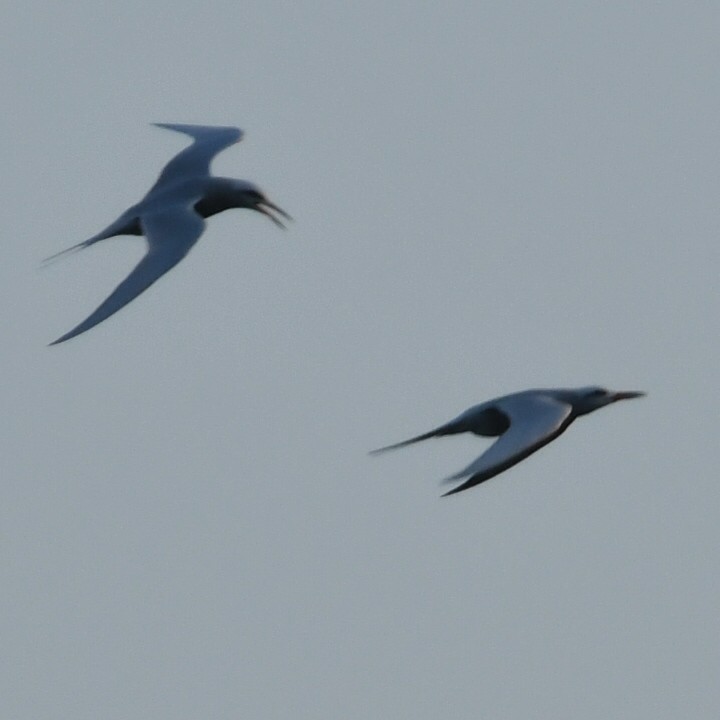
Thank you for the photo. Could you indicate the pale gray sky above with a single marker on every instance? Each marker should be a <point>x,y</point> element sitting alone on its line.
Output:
<point>489,197</point>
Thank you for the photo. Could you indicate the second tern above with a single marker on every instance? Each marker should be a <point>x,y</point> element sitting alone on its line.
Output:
<point>172,214</point>
<point>523,422</point>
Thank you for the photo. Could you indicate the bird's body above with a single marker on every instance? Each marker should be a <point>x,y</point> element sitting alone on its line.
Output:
<point>172,214</point>
<point>523,422</point>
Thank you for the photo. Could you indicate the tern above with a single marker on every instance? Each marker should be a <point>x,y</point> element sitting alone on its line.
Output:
<point>172,214</point>
<point>523,423</point>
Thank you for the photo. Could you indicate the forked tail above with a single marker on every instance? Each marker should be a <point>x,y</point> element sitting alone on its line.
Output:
<point>127,224</point>
<point>67,251</point>
<point>437,432</point>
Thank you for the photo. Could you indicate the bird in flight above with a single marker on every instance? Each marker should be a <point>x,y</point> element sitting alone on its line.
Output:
<point>172,214</point>
<point>523,423</point>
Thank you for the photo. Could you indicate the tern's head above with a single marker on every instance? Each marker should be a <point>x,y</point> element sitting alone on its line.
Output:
<point>585,400</point>
<point>247,195</point>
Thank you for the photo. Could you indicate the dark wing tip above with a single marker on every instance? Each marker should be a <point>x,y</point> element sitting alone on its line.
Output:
<point>61,339</point>
<point>379,451</point>
<point>459,488</point>
<point>474,480</point>
<point>79,330</point>
<point>234,134</point>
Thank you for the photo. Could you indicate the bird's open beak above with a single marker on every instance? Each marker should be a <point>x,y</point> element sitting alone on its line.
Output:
<point>628,395</point>
<point>265,206</point>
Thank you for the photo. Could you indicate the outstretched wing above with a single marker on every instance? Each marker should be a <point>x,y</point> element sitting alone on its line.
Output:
<point>170,235</point>
<point>535,420</point>
<point>195,160</point>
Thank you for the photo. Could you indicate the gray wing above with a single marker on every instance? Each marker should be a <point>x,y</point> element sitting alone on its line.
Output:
<point>535,420</point>
<point>170,235</point>
<point>195,160</point>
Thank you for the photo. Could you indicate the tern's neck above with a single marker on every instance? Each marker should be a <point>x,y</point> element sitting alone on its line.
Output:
<point>222,194</point>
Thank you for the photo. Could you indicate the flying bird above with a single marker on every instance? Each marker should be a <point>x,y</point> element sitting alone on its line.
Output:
<point>523,422</point>
<point>172,214</point>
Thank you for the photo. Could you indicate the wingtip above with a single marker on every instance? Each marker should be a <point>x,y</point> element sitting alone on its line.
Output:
<point>457,489</point>
<point>70,334</point>
<point>192,130</point>
<point>61,339</point>
<point>466,483</point>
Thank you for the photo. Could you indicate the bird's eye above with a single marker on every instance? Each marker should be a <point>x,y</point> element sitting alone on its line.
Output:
<point>254,194</point>
<point>598,393</point>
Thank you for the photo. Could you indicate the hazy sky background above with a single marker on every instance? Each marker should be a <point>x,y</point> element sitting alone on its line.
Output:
<point>488,197</point>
